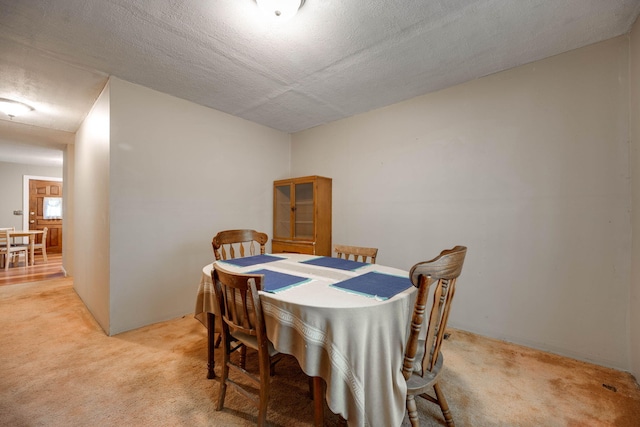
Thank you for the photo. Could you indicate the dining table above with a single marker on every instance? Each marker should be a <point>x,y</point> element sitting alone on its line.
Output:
<point>344,321</point>
<point>31,234</point>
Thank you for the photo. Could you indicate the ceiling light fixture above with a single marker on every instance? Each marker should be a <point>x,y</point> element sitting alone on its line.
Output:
<point>14,108</point>
<point>280,10</point>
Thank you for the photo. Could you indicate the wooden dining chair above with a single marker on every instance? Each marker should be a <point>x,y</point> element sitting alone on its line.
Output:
<point>233,241</point>
<point>41,246</point>
<point>358,253</point>
<point>243,326</point>
<point>3,237</point>
<point>423,360</point>
<point>10,253</point>
<point>3,243</point>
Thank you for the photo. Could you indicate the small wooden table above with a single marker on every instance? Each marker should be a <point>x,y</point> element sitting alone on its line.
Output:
<point>32,241</point>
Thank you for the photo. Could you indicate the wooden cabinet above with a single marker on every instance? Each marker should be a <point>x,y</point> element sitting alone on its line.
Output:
<point>302,216</point>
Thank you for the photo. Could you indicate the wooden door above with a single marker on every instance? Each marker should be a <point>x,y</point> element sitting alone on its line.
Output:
<point>45,210</point>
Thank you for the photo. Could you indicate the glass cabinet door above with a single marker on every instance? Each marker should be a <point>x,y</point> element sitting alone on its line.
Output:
<point>303,209</point>
<point>283,211</point>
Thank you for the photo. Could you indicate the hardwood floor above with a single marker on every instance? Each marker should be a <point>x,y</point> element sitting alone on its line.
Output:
<point>33,273</point>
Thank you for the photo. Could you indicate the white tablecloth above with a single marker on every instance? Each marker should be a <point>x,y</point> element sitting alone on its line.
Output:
<point>355,343</point>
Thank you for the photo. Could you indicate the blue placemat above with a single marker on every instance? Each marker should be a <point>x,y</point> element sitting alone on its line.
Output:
<point>276,282</point>
<point>252,260</point>
<point>375,285</point>
<point>339,263</point>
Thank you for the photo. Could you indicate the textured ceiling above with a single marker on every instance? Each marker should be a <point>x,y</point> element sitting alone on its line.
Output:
<point>335,59</point>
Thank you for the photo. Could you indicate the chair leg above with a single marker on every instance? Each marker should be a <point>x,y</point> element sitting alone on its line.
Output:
<point>265,373</point>
<point>243,357</point>
<point>310,380</point>
<point>211,363</point>
<point>44,255</point>
<point>224,375</point>
<point>412,410</point>
<point>443,405</point>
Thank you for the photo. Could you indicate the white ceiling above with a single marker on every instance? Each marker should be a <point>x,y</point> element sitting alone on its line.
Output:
<point>335,59</point>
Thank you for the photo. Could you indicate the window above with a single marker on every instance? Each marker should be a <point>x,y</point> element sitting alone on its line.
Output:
<point>52,208</point>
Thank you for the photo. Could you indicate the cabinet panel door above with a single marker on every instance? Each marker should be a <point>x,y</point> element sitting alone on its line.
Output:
<point>304,211</point>
<point>283,212</point>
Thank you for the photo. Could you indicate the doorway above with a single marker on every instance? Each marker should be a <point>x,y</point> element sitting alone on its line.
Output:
<point>42,207</point>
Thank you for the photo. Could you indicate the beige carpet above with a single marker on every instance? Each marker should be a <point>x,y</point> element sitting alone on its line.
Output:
<point>57,368</point>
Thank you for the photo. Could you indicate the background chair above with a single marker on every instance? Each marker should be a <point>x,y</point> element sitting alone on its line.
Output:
<point>9,251</point>
<point>3,236</point>
<point>357,253</point>
<point>235,240</point>
<point>3,242</point>
<point>231,242</point>
<point>243,326</point>
<point>423,360</point>
<point>42,246</point>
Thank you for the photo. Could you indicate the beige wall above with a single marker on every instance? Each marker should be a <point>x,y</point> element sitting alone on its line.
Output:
<point>529,169</point>
<point>91,211</point>
<point>634,121</point>
<point>179,173</point>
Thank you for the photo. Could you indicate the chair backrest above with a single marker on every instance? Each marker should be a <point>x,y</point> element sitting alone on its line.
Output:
<point>5,239</point>
<point>357,252</point>
<point>6,244</point>
<point>3,235</point>
<point>224,242</point>
<point>443,271</point>
<point>43,242</point>
<point>239,303</point>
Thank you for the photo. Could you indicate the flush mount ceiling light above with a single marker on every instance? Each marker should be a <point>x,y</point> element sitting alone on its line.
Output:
<point>280,10</point>
<point>14,108</point>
